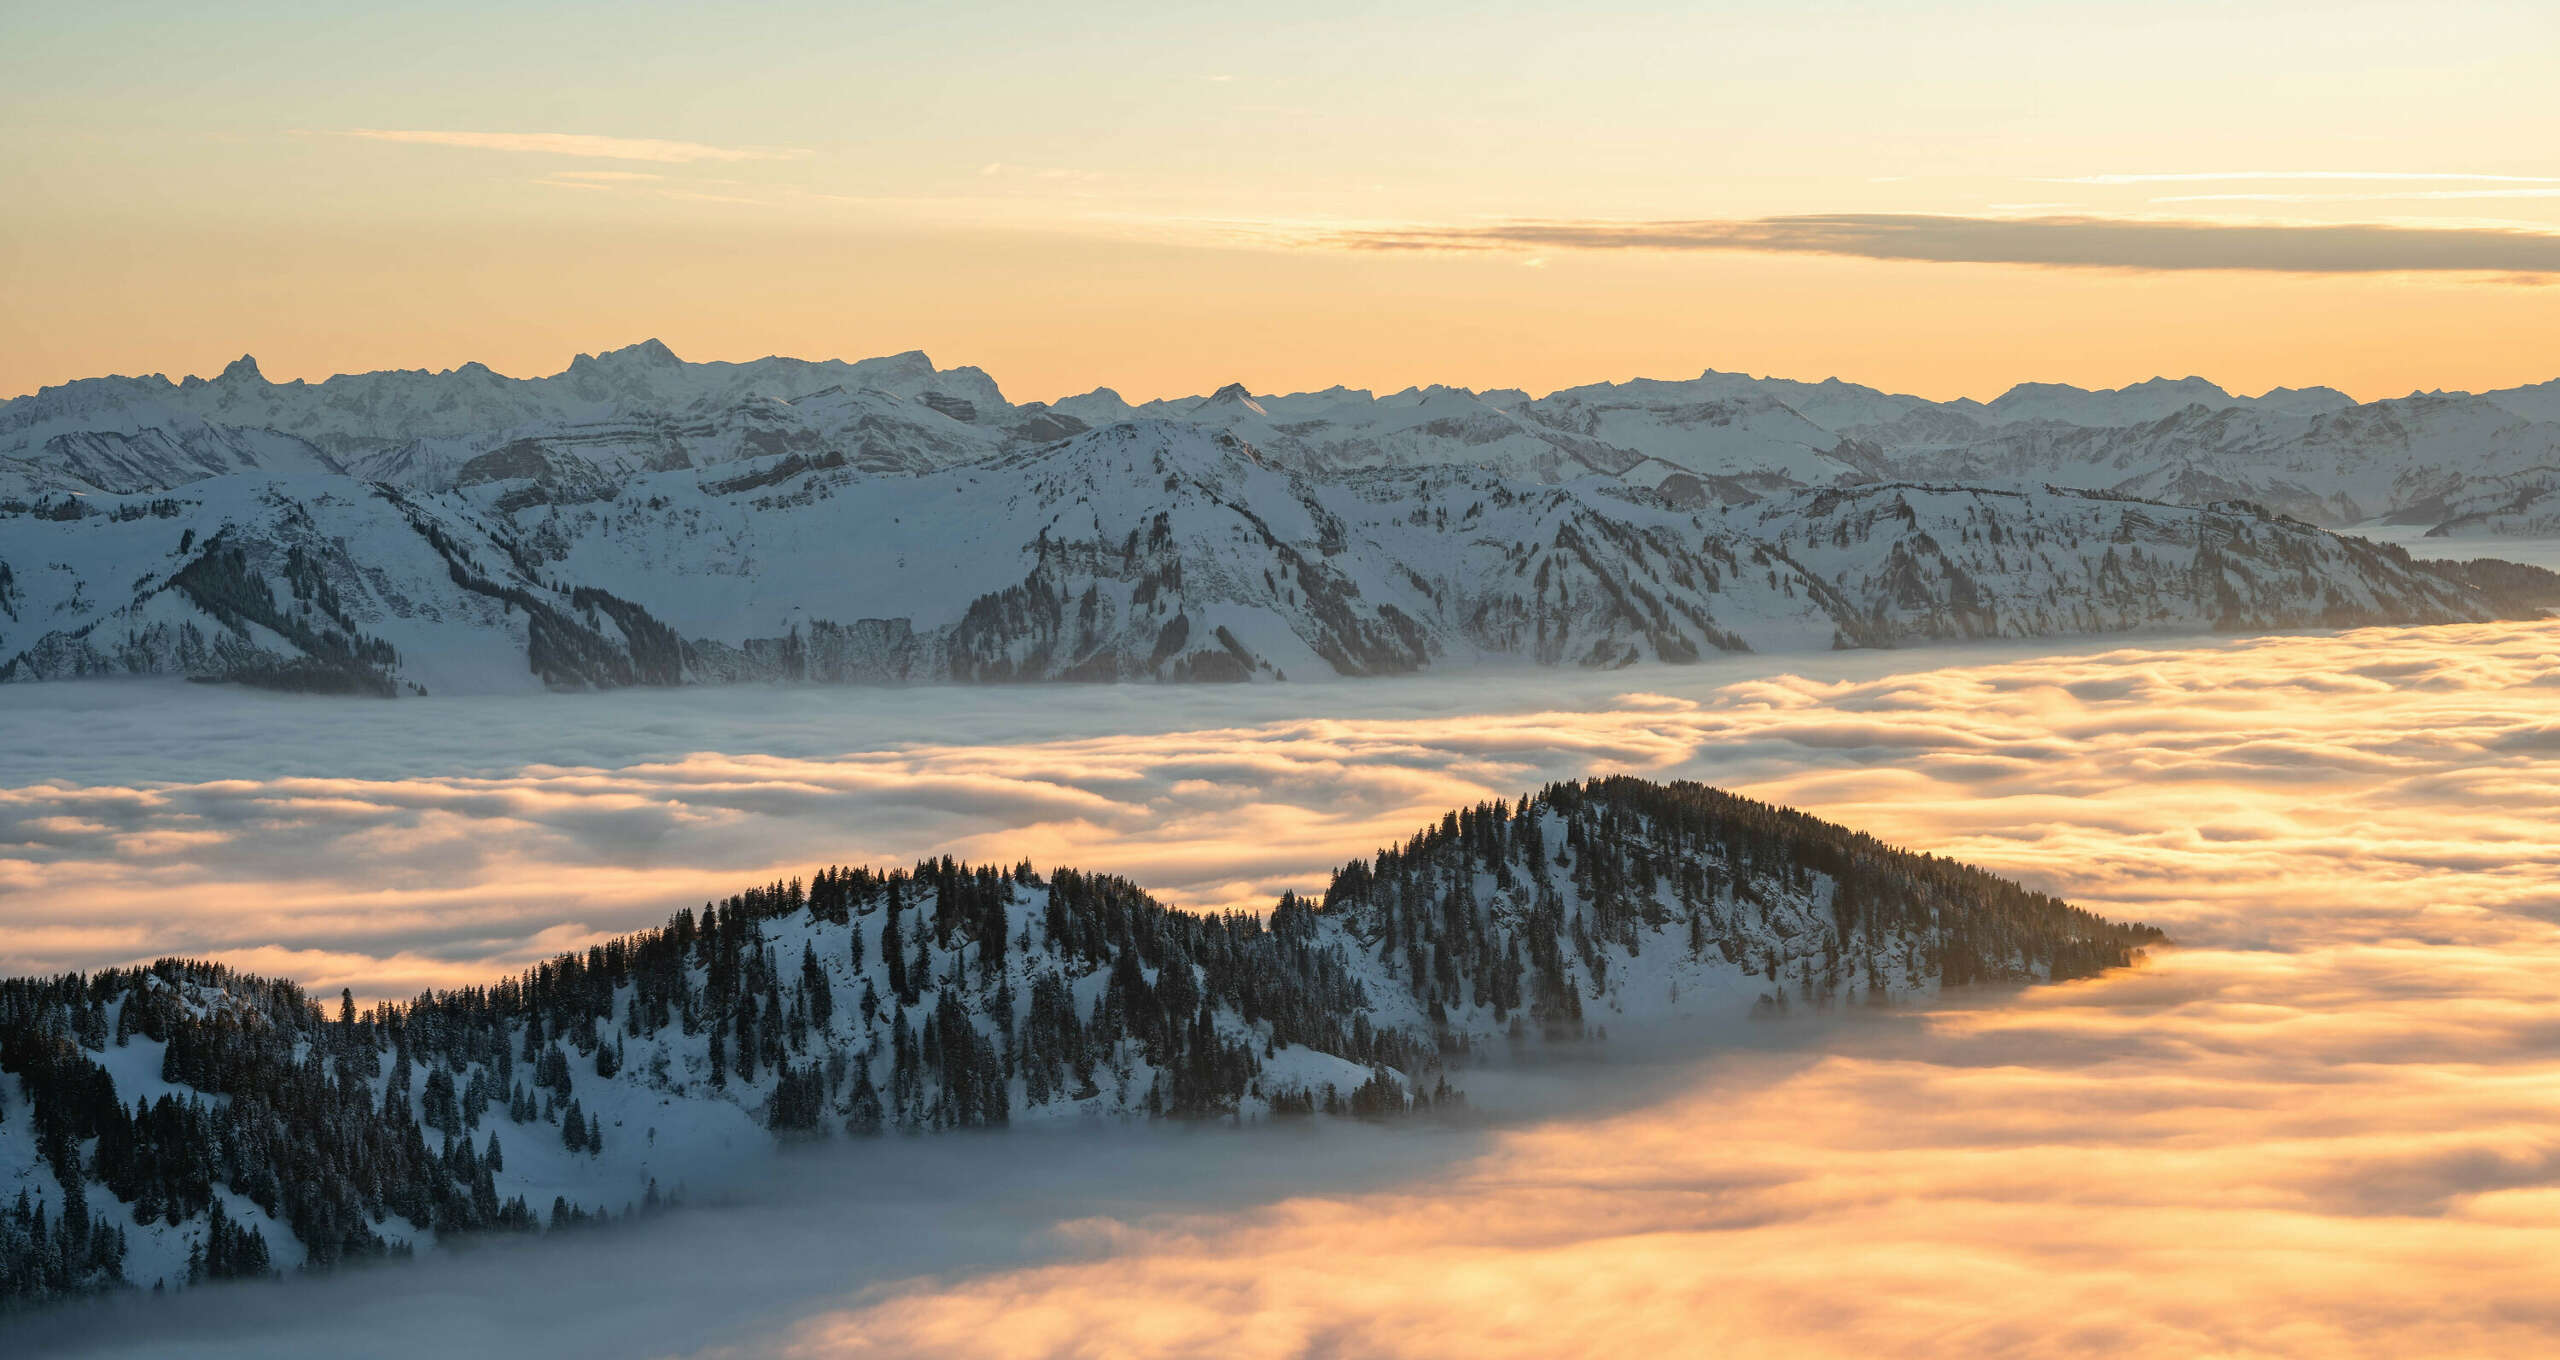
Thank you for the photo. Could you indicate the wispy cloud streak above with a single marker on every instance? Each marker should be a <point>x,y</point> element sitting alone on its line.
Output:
<point>2236,176</point>
<point>2392,196</point>
<point>2052,242</point>
<point>578,144</point>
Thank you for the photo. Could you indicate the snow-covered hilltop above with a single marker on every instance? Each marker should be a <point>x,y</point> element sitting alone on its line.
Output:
<point>181,1121</point>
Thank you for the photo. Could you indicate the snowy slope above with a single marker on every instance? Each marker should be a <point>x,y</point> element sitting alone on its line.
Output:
<point>2523,505</point>
<point>343,589</point>
<point>1915,563</point>
<point>945,997</point>
<point>1144,551</point>
<point>2403,459</point>
<point>2539,401</point>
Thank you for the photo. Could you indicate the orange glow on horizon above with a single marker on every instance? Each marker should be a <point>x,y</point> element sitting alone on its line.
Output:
<point>1053,316</point>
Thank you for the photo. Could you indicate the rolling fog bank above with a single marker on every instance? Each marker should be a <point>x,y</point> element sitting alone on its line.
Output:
<point>2321,1125</point>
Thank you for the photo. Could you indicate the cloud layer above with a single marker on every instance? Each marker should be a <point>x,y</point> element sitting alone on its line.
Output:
<point>2058,242</point>
<point>2321,1126</point>
<point>2342,1153</point>
<point>389,846</point>
<point>2240,176</point>
<point>577,144</point>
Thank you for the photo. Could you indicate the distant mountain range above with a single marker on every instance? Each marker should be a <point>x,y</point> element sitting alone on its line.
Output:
<point>2453,459</point>
<point>181,1122</point>
<point>641,520</point>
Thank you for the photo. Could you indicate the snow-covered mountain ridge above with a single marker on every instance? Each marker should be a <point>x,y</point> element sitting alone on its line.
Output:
<point>1148,550</point>
<point>1720,437</point>
<point>180,1121</point>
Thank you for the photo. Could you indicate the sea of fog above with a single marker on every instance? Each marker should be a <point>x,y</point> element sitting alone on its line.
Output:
<point>2326,1123</point>
<point>2540,552</point>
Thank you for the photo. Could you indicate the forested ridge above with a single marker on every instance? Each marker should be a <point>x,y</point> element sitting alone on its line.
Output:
<point>1585,868</point>
<point>182,1121</point>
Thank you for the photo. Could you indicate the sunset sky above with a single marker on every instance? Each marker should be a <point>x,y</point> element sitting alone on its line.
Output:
<point>1940,198</point>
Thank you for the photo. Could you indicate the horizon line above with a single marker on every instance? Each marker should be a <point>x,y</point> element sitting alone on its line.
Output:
<point>1374,393</point>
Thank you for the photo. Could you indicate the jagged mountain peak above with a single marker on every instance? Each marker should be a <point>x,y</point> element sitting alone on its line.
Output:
<point>896,372</point>
<point>650,353</point>
<point>2189,383</point>
<point>1437,395</point>
<point>241,372</point>
<point>1233,395</point>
